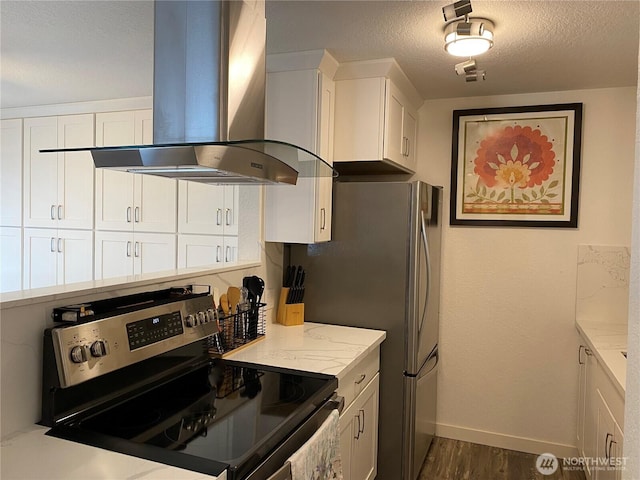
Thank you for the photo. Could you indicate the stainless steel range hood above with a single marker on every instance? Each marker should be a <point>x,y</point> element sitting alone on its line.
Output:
<point>209,101</point>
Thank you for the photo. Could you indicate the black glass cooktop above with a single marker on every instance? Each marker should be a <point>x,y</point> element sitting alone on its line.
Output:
<point>216,417</point>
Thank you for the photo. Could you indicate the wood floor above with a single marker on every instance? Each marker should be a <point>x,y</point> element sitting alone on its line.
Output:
<point>455,460</point>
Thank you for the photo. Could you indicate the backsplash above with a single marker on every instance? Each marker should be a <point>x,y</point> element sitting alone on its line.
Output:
<point>603,283</point>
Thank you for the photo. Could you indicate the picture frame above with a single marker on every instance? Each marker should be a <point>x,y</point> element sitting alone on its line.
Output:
<point>516,166</point>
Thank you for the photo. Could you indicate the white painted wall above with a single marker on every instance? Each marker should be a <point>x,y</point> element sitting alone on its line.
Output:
<point>509,364</point>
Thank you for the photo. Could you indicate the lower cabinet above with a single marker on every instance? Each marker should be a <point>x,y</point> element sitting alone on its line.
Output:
<point>120,254</point>
<point>359,419</point>
<point>600,416</point>
<point>359,434</point>
<point>206,250</point>
<point>56,257</point>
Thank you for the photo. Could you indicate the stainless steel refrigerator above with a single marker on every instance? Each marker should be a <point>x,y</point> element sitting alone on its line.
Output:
<point>381,270</point>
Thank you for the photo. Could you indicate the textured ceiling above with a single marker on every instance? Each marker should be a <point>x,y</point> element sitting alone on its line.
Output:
<point>63,51</point>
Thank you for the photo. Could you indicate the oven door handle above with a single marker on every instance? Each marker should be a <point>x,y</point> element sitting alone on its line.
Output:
<point>336,402</point>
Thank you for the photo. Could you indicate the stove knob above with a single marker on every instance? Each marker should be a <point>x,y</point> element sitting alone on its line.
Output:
<point>98,348</point>
<point>202,318</point>
<point>78,354</point>
<point>211,315</point>
<point>190,321</point>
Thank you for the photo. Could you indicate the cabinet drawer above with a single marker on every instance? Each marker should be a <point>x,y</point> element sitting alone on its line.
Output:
<point>359,377</point>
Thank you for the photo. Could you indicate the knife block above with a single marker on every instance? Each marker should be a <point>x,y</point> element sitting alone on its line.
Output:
<point>289,313</point>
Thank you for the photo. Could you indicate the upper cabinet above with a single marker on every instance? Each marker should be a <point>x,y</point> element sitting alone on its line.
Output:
<point>376,120</point>
<point>207,209</point>
<point>300,109</point>
<point>11,173</point>
<point>56,192</point>
<point>126,201</point>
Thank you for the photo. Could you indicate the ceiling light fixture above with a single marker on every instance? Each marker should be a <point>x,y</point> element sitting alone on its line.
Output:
<point>468,37</point>
<point>475,75</point>
<point>465,67</point>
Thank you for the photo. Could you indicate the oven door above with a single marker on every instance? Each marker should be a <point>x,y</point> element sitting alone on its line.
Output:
<point>275,466</point>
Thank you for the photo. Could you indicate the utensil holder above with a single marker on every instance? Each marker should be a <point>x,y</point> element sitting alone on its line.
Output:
<point>289,313</point>
<point>238,330</point>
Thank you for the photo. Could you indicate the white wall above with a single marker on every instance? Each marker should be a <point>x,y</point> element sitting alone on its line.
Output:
<point>21,330</point>
<point>509,346</point>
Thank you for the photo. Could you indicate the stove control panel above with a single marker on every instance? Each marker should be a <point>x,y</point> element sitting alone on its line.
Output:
<point>88,350</point>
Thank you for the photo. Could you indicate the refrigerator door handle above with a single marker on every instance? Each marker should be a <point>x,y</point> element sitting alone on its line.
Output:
<point>425,241</point>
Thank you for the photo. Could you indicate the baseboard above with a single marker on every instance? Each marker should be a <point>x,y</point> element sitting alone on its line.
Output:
<point>509,442</point>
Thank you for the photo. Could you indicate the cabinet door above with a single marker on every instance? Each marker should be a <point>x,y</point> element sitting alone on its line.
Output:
<point>75,256</point>
<point>231,209</point>
<point>410,134</point>
<point>300,110</point>
<point>75,172</point>
<point>201,208</point>
<point>230,250</point>
<point>365,451</point>
<point>348,431</point>
<point>40,187</point>
<point>114,200</point>
<point>11,173</point>
<point>40,257</point>
<point>394,147</point>
<point>11,256</point>
<point>113,254</point>
<point>154,252</point>
<point>200,251</point>
<point>605,443</point>
<point>582,395</point>
<point>591,413</point>
<point>154,204</point>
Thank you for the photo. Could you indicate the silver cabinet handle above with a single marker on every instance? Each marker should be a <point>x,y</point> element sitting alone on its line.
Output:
<point>587,352</point>
<point>52,246</point>
<point>218,252</point>
<point>128,214</point>
<point>219,216</point>
<point>227,254</point>
<point>136,215</point>
<point>227,216</point>
<point>128,248</point>
<point>408,146</point>
<point>323,218</point>
<point>136,249</point>
<point>59,245</point>
<point>53,212</point>
<point>362,377</point>
<point>60,212</point>
<point>357,435</point>
<point>361,412</point>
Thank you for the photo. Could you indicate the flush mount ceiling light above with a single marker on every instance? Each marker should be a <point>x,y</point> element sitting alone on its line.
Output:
<point>468,37</point>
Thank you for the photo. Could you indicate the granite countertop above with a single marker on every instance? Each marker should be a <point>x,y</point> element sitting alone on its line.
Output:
<point>331,349</point>
<point>607,341</point>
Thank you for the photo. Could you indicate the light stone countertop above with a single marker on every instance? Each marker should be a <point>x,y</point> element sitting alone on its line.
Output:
<point>607,341</point>
<point>330,349</point>
<point>313,347</point>
<point>32,455</point>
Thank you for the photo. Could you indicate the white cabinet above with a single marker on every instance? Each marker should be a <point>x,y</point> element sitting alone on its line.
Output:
<point>58,187</point>
<point>359,434</point>
<point>207,209</point>
<point>11,258</point>
<point>11,173</point>
<point>600,416</point>
<point>300,109</point>
<point>359,420</point>
<point>206,250</point>
<point>119,254</point>
<point>57,257</point>
<point>376,118</point>
<point>126,201</point>
<point>129,202</point>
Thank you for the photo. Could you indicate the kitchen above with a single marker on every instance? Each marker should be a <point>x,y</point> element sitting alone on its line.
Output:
<point>511,343</point>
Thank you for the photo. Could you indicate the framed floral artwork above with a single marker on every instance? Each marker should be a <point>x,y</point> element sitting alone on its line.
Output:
<point>516,166</point>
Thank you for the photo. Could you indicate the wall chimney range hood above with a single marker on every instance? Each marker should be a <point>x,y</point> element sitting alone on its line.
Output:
<point>209,101</point>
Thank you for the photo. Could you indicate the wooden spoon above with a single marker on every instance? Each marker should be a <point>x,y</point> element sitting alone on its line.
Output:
<point>233,295</point>
<point>224,303</point>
